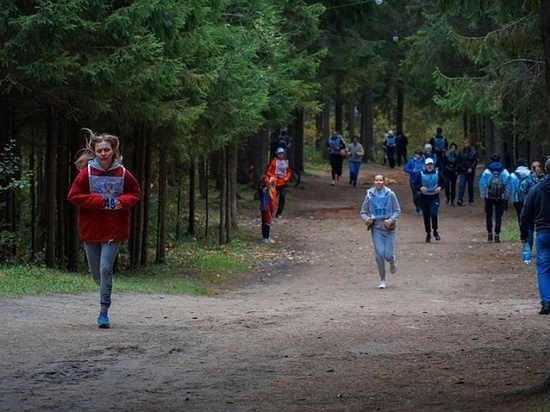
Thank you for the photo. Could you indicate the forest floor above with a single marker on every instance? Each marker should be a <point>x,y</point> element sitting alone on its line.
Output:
<point>457,329</point>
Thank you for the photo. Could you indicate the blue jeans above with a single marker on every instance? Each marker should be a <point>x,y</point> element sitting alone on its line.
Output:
<point>384,245</point>
<point>466,178</point>
<point>353,172</point>
<point>498,206</point>
<point>542,244</point>
<point>101,259</point>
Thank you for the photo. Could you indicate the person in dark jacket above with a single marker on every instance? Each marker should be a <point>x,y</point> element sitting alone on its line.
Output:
<point>450,173</point>
<point>431,182</point>
<point>439,145</point>
<point>104,192</point>
<point>401,142</point>
<point>467,162</point>
<point>537,210</point>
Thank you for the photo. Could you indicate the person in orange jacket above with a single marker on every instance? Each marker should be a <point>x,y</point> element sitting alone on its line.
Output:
<point>268,203</point>
<point>280,172</point>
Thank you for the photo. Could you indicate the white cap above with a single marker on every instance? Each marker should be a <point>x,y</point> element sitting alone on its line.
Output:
<point>429,160</point>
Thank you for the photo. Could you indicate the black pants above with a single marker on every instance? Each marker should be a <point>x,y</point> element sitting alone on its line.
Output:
<point>450,189</point>
<point>429,205</point>
<point>336,161</point>
<point>282,199</point>
<point>496,205</point>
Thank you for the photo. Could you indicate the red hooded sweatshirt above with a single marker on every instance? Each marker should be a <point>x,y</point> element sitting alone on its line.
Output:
<point>93,192</point>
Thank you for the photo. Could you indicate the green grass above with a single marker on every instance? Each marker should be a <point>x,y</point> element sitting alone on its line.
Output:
<point>192,269</point>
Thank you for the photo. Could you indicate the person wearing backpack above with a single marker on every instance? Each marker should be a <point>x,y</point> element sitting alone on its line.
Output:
<point>536,211</point>
<point>494,190</point>
<point>518,186</point>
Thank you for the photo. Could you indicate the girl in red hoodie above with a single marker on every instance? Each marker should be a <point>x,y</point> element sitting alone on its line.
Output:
<point>104,191</point>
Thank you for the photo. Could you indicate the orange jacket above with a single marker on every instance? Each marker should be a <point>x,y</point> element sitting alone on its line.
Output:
<point>280,170</point>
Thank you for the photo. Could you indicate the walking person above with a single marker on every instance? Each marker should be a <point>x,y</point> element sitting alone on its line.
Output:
<point>402,142</point>
<point>268,205</point>
<point>380,211</point>
<point>280,172</point>
<point>104,192</point>
<point>536,210</point>
<point>517,195</point>
<point>494,190</point>
<point>336,153</point>
<point>356,152</point>
<point>450,173</point>
<point>413,167</point>
<point>429,153</point>
<point>440,146</point>
<point>391,147</point>
<point>431,182</point>
<point>467,163</point>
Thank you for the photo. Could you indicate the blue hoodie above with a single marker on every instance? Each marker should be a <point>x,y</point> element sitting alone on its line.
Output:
<point>413,167</point>
<point>485,179</point>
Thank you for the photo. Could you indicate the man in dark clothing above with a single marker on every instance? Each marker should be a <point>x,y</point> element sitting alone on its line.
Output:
<point>439,145</point>
<point>537,210</point>
<point>467,162</point>
<point>401,142</point>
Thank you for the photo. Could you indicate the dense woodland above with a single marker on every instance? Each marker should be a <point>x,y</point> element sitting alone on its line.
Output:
<point>196,90</point>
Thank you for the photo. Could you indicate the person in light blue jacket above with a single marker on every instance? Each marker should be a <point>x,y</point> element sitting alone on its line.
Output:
<point>521,173</point>
<point>380,211</point>
<point>494,204</point>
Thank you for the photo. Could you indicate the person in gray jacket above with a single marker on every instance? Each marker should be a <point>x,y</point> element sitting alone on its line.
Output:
<point>380,211</point>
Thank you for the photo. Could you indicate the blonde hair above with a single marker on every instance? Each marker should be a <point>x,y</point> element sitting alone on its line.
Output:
<point>535,168</point>
<point>83,156</point>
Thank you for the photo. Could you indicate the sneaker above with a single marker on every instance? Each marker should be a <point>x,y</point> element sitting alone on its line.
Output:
<point>268,240</point>
<point>436,235</point>
<point>459,203</point>
<point>103,321</point>
<point>428,238</point>
<point>471,203</point>
<point>332,184</point>
<point>545,310</point>
<point>419,212</point>
<point>489,237</point>
<point>497,238</point>
<point>393,266</point>
<point>452,202</point>
<point>447,201</point>
<point>279,216</point>
<point>382,285</point>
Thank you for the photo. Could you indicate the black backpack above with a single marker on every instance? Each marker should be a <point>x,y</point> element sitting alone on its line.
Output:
<point>496,186</point>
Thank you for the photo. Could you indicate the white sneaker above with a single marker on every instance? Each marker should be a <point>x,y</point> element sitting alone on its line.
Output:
<point>393,266</point>
<point>267,240</point>
<point>382,285</point>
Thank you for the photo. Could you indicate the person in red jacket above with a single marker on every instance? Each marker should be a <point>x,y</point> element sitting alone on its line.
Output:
<point>104,192</point>
<point>280,173</point>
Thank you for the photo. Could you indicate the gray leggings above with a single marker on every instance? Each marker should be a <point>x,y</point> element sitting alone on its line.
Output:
<point>101,259</point>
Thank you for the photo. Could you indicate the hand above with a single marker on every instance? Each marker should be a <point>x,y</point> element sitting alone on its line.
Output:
<point>118,205</point>
<point>437,190</point>
<point>387,224</point>
<point>423,189</point>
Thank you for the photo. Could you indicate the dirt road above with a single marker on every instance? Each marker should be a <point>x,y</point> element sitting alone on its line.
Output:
<point>457,329</point>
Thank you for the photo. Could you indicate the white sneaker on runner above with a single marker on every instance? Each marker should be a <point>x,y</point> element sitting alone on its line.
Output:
<point>393,266</point>
<point>267,240</point>
<point>382,285</point>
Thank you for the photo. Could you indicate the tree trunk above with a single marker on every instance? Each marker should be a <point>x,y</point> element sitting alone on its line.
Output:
<point>297,160</point>
<point>339,111</point>
<point>51,191</point>
<point>351,117</point>
<point>400,109</point>
<point>232,166</point>
<point>192,197</point>
<point>73,240</point>
<point>367,122</point>
<point>222,234</point>
<point>545,37</point>
<point>160,256</point>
